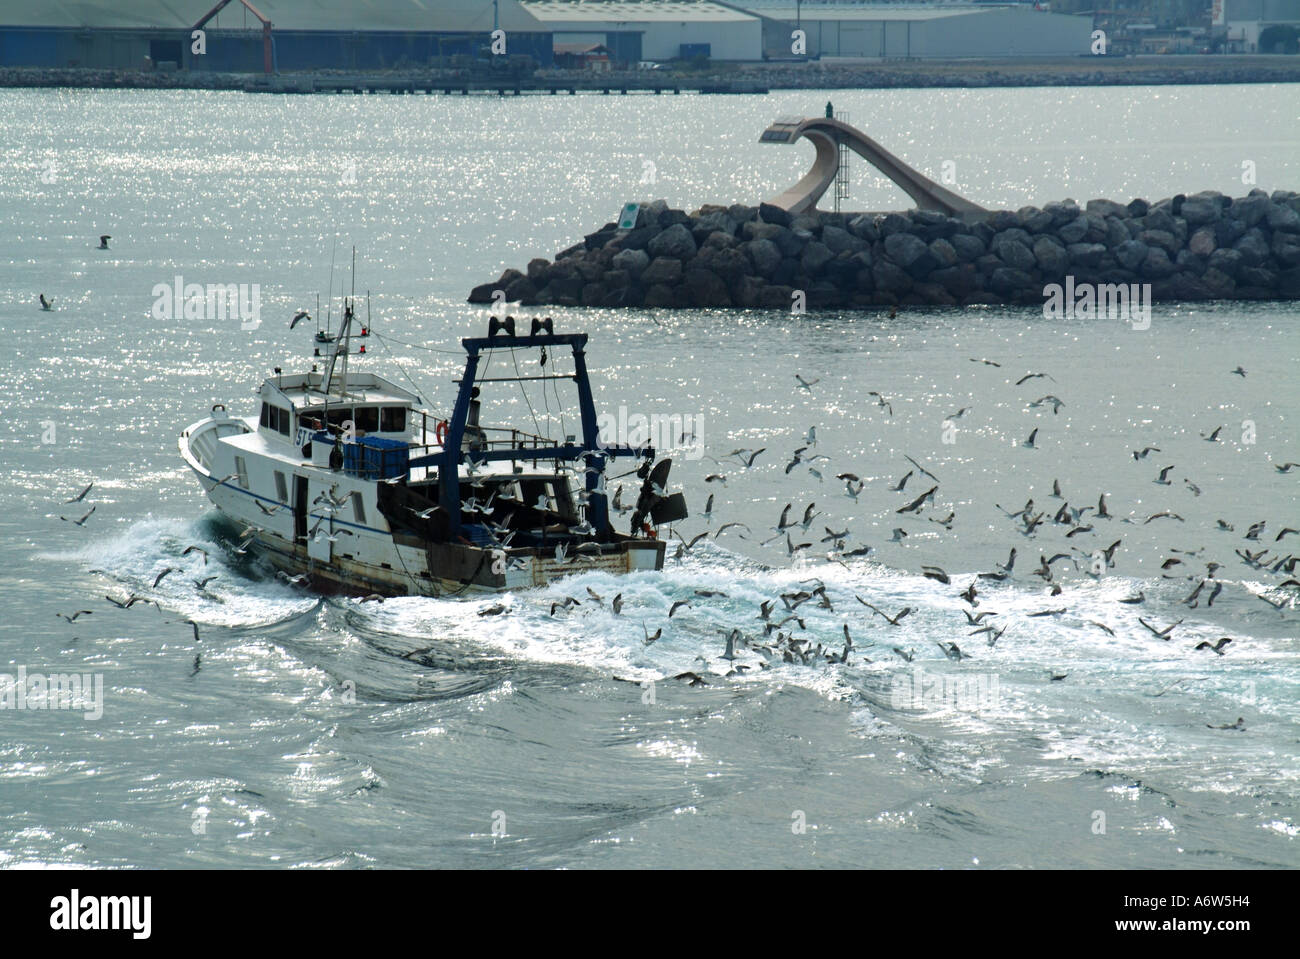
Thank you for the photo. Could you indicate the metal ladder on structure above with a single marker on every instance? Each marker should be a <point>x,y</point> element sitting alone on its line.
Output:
<point>842,172</point>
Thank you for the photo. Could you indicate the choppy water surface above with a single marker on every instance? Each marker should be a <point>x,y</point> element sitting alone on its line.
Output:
<point>324,733</point>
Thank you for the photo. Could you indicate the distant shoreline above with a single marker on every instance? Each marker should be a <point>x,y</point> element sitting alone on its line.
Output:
<point>720,78</point>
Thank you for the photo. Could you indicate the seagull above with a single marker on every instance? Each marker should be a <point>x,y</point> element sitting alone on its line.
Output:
<point>1029,443</point>
<point>1162,633</point>
<point>915,505</point>
<point>903,482</point>
<point>1167,514</point>
<point>899,533</point>
<point>103,241</point>
<point>1212,437</point>
<point>1216,648</point>
<point>1144,452</point>
<point>1285,467</point>
<point>80,612</point>
<point>648,638</point>
<point>1239,371</point>
<point>299,580</point>
<point>806,384</point>
<point>196,549</point>
<point>159,578</point>
<point>923,470</point>
<point>678,605</point>
<point>1032,376</point>
<point>79,522</point>
<point>298,317</point>
<point>935,573</point>
<point>892,622</point>
<point>1163,479</point>
<point>131,601</point>
<point>80,496</point>
<point>959,414</point>
<point>726,526</point>
<point>46,305</point>
<point>952,651</point>
<point>1053,400</point>
<point>985,362</point>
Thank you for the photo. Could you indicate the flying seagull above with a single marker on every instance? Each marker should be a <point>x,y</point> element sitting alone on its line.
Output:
<point>80,496</point>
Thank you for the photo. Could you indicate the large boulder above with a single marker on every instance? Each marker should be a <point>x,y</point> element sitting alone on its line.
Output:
<point>1283,218</point>
<point>968,246</point>
<point>1163,239</point>
<point>712,223</point>
<point>633,261</point>
<point>764,255</point>
<point>1250,209</point>
<point>659,295</point>
<point>729,264</point>
<point>676,242</point>
<point>1014,253</point>
<point>1073,231</point>
<point>889,278</point>
<point>757,230</point>
<point>1009,282</point>
<point>1106,208</point>
<point>839,241</point>
<point>705,288</point>
<point>1253,248</point>
<point>1051,256</point>
<point>863,227</point>
<point>1202,242</point>
<point>1157,264</point>
<point>944,253</point>
<point>1226,261</point>
<point>664,270</point>
<point>774,214</point>
<point>1131,254</point>
<point>905,249</point>
<point>1086,254</point>
<point>815,257</point>
<point>1201,209</point>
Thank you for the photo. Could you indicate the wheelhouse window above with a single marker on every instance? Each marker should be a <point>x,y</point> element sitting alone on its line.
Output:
<point>358,509</point>
<point>337,417</point>
<point>392,419</point>
<point>367,419</point>
<point>275,418</point>
<point>281,487</point>
<point>241,471</point>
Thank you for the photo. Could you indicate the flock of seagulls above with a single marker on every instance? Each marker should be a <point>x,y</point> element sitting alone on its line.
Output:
<point>1082,530</point>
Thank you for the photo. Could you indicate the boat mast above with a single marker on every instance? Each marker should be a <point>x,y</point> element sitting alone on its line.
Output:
<point>343,343</point>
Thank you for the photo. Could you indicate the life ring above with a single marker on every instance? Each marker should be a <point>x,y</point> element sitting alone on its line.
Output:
<point>440,431</point>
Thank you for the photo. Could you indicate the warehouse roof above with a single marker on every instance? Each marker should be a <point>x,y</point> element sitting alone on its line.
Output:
<point>423,15</point>
<point>872,12</point>
<point>633,11</point>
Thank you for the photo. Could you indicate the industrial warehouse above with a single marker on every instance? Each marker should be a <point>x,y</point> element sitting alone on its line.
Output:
<point>275,36</point>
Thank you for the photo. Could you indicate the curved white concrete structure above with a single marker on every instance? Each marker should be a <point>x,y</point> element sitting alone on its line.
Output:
<point>826,135</point>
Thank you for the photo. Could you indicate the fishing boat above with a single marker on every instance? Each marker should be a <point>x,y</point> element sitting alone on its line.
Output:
<point>344,482</point>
